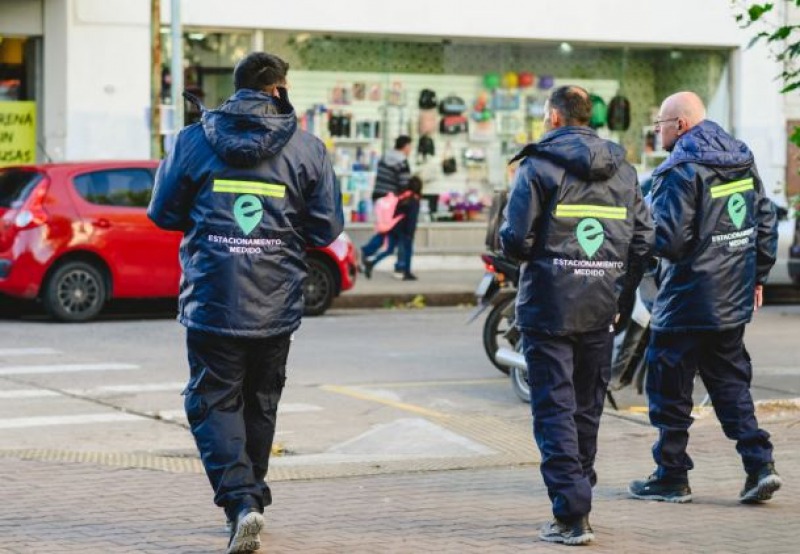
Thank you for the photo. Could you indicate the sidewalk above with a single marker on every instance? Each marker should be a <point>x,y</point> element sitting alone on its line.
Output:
<point>442,281</point>
<point>88,508</point>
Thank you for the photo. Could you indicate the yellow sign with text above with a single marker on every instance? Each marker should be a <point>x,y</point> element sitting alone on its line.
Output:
<point>17,133</point>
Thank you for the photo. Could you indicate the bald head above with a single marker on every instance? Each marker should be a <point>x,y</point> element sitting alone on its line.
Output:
<point>679,113</point>
<point>686,105</point>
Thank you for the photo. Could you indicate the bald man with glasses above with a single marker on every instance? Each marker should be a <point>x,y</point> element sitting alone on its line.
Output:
<point>716,239</point>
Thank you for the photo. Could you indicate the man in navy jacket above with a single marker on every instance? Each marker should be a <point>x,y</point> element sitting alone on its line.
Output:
<point>249,191</point>
<point>716,238</point>
<point>576,219</point>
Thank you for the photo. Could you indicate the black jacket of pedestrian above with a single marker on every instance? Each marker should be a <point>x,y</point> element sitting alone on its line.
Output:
<point>574,217</point>
<point>392,176</point>
<point>250,191</point>
<point>716,232</point>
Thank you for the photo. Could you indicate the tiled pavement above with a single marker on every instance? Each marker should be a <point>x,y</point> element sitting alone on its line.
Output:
<point>50,507</point>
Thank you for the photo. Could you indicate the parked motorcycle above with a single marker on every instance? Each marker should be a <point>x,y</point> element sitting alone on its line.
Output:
<point>497,290</point>
<point>628,357</point>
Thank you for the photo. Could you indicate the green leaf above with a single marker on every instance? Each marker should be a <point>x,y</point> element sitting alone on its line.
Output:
<point>780,34</point>
<point>757,10</point>
<point>795,138</point>
<point>755,39</point>
<point>790,87</point>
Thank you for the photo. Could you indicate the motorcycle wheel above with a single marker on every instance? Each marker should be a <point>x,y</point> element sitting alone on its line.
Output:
<point>495,327</point>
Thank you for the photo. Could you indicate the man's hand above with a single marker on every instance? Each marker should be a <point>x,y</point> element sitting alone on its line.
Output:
<point>759,299</point>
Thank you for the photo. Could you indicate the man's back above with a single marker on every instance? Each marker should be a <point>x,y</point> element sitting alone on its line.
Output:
<point>573,214</point>
<point>250,191</point>
<point>715,232</point>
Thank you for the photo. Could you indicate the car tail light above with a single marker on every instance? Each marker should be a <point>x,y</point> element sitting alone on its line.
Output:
<point>32,214</point>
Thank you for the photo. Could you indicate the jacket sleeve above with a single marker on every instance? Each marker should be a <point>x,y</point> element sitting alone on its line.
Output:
<point>673,215</point>
<point>766,232</point>
<point>639,253</point>
<point>325,217</point>
<point>517,234</point>
<point>173,192</point>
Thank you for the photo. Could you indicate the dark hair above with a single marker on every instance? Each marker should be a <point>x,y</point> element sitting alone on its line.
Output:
<point>415,185</point>
<point>258,70</point>
<point>401,142</point>
<point>573,103</point>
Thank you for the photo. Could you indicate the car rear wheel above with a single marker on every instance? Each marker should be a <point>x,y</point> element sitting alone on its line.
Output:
<point>76,291</point>
<point>319,287</point>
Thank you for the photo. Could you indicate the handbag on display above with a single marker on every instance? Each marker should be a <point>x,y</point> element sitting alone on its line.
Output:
<point>425,147</point>
<point>599,112</point>
<point>448,160</point>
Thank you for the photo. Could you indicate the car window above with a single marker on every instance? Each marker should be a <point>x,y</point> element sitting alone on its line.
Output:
<point>15,186</point>
<point>116,187</point>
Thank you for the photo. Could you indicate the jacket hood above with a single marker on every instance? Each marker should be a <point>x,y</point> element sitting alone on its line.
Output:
<point>707,143</point>
<point>249,127</point>
<point>579,151</point>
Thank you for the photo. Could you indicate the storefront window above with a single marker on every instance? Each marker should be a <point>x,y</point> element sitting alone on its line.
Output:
<point>468,105</point>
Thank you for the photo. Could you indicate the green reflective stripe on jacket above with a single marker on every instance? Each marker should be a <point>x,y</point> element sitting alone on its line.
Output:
<point>727,189</point>
<point>249,187</point>
<point>591,210</point>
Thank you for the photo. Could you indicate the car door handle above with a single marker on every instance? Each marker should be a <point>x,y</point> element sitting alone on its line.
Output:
<point>103,223</point>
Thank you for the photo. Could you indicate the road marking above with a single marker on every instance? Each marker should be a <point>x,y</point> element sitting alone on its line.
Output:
<point>48,421</point>
<point>288,408</point>
<point>26,393</point>
<point>124,389</point>
<point>453,383</point>
<point>8,352</point>
<point>374,398</point>
<point>63,368</point>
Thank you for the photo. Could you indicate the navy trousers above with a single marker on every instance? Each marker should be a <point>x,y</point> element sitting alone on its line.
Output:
<point>568,376</point>
<point>724,366</point>
<point>231,402</point>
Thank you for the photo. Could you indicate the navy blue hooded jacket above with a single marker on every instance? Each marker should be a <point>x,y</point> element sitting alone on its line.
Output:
<point>716,232</point>
<point>574,217</point>
<point>250,191</point>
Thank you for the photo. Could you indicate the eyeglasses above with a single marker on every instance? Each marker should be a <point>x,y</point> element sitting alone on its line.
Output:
<point>659,122</point>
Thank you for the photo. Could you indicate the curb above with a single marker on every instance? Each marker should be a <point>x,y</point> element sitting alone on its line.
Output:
<point>394,300</point>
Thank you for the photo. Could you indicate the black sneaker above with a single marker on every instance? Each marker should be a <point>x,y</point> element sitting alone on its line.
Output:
<point>409,277</point>
<point>664,490</point>
<point>245,533</point>
<point>760,486</point>
<point>367,267</point>
<point>573,534</point>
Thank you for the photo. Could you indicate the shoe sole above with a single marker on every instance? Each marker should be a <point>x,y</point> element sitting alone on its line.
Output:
<point>659,498</point>
<point>586,538</point>
<point>246,538</point>
<point>763,491</point>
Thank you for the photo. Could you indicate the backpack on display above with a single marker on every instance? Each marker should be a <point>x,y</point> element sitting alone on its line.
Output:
<point>427,99</point>
<point>425,147</point>
<point>453,125</point>
<point>599,112</point>
<point>619,113</point>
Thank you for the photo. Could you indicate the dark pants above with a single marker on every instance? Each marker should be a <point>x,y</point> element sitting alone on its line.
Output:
<point>568,376</point>
<point>724,365</point>
<point>231,402</point>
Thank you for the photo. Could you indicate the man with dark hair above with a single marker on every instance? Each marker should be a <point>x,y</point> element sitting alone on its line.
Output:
<point>250,191</point>
<point>392,177</point>
<point>716,237</point>
<point>576,218</point>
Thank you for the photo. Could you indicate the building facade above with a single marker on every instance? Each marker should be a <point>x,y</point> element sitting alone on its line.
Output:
<point>83,67</point>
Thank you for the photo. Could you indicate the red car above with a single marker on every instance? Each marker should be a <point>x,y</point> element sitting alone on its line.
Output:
<point>75,235</point>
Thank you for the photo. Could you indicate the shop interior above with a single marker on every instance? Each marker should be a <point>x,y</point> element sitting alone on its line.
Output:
<point>468,105</point>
